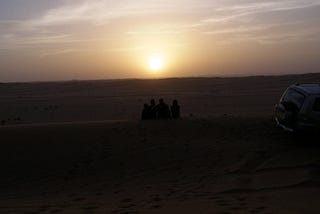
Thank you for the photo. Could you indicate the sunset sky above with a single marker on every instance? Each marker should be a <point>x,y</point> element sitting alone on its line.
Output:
<point>101,39</point>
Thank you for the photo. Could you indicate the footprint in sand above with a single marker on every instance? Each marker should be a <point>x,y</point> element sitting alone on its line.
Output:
<point>220,201</point>
<point>261,198</point>
<point>64,205</point>
<point>99,193</point>
<point>128,212</point>
<point>154,202</point>
<point>241,199</point>
<point>123,211</point>
<point>258,210</point>
<point>78,199</point>
<point>237,208</point>
<point>156,199</point>
<point>254,211</point>
<point>56,211</point>
<point>126,200</point>
<point>31,212</point>
<point>126,204</point>
<point>231,204</point>
<point>44,208</point>
<point>183,197</point>
<point>156,206</point>
<point>90,208</point>
<point>214,197</point>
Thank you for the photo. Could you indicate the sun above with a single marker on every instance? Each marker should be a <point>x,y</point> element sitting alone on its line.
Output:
<point>155,62</point>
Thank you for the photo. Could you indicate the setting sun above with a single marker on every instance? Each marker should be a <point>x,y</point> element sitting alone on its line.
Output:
<point>155,62</point>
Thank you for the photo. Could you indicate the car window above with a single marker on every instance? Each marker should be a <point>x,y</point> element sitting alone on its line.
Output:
<point>295,97</point>
<point>285,97</point>
<point>316,106</point>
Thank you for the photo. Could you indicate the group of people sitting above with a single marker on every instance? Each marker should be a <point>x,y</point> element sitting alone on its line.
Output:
<point>160,110</point>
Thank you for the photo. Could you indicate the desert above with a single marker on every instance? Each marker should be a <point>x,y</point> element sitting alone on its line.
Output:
<point>80,147</point>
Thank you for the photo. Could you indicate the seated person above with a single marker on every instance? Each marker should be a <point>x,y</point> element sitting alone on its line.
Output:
<point>175,110</point>
<point>163,111</point>
<point>145,112</point>
<point>153,109</point>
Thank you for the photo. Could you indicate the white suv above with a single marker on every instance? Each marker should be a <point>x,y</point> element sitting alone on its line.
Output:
<point>299,108</point>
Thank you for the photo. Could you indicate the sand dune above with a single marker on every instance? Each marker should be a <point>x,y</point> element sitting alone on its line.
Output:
<point>221,162</point>
<point>223,165</point>
<point>123,99</point>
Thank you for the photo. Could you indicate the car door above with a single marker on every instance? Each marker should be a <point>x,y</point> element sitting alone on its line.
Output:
<point>280,110</point>
<point>315,113</point>
<point>288,108</point>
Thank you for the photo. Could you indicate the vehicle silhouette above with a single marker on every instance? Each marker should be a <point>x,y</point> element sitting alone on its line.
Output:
<point>299,108</point>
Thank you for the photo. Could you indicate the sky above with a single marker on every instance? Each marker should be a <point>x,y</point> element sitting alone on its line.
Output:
<point>43,40</point>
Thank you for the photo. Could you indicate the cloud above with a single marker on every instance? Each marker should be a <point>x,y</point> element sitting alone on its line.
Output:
<point>46,53</point>
<point>258,22</point>
<point>100,20</point>
<point>227,13</point>
<point>101,12</point>
<point>248,29</point>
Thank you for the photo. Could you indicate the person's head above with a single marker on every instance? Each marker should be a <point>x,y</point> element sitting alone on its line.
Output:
<point>161,100</point>
<point>152,102</point>
<point>175,102</point>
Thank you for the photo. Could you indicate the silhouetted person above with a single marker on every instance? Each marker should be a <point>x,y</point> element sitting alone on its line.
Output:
<point>145,112</point>
<point>175,109</point>
<point>163,111</point>
<point>153,109</point>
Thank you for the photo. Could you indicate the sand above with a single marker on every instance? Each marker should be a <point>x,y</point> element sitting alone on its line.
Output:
<point>227,157</point>
<point>123,99</point>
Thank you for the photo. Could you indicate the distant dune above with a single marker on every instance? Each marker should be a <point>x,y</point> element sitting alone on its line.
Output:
<point>78,147</point>
<point>123,99</point>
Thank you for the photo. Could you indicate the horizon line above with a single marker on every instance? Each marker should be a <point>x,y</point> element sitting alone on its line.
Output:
<point>162,78</point>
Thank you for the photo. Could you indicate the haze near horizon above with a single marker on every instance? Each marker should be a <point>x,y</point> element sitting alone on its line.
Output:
<point>101,39</point>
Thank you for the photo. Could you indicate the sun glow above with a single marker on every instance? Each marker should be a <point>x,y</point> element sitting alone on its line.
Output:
<point>155,62</point>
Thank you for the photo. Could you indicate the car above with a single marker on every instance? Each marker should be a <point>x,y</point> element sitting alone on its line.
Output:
<point>299,108</point>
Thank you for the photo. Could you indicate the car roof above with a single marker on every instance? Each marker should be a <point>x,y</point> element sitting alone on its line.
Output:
<point>310,89</point>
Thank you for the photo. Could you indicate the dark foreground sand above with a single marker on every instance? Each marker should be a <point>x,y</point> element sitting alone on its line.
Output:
<point>230,162</point>
<point>223,165</point>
